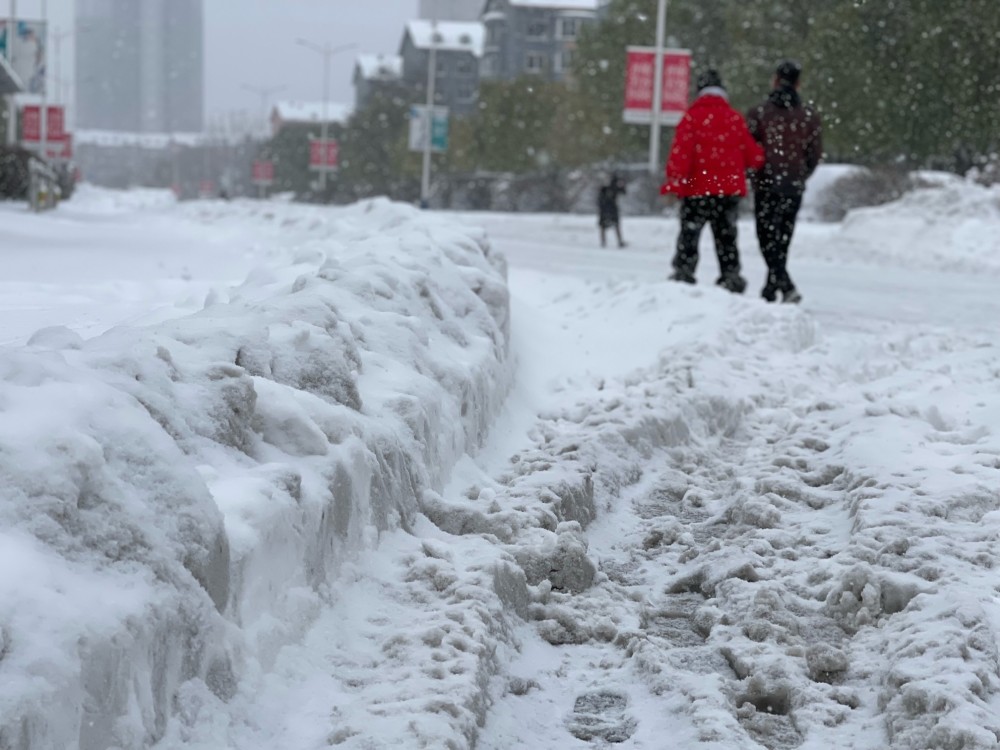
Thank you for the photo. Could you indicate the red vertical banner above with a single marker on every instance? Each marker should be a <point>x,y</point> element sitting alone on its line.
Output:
<point>263,172</point>
<point>324,155</point>
<point>55,123</point>
<point>31,124</point>
<point>640,79</point>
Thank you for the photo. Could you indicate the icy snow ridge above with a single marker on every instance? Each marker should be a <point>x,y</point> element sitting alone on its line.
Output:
<point>178,498</point>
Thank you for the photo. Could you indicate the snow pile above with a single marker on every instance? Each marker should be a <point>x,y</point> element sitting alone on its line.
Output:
<point>699,516</point>
<point>88,199</point>
<point>951,227</point>
<point>179,498</point>
<point>748,543</point>
<point>819,187</point>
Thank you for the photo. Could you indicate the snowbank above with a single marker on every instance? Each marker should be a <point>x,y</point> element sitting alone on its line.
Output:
<point>88,199</point>
<point>819,185</point>
<point>178,498</point>
<point>733,524</point>
<point>950,226</point>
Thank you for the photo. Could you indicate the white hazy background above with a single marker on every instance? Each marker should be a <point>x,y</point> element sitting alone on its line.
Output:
<point>252,42</point>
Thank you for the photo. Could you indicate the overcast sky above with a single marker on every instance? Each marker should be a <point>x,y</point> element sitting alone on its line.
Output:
<point>252,42</point>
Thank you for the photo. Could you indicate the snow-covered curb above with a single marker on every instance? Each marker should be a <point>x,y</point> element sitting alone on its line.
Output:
<point>177,499</point>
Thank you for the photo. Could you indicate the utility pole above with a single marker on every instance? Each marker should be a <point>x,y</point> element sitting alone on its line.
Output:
<point>425,176</point>
<point>327,52</point>
<point>11,100</point>
<point>11,33</point>
<point>654,128</point>
<point>44,135</point>
<point>57,39</point>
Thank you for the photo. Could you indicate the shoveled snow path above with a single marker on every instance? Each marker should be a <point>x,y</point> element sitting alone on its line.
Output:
<point>810,565</point>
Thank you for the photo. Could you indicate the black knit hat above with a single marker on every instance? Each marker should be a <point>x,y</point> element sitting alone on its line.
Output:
<point>709,77</point>
<point>788,72</point>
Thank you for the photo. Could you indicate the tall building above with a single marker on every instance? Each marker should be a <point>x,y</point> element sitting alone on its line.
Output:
<point>451,10</point>
<point>140,66</point>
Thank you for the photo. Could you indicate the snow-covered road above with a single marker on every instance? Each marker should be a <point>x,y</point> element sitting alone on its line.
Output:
<point>107,259</point>
<point>698,520</point>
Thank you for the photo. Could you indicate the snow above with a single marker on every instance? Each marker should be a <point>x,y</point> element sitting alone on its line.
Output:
<point>380,67</point>
<point>153,141</point>
<point>453,36</point>
<point>291,112</point>
<point>320,506</point>
<point>586,5</point>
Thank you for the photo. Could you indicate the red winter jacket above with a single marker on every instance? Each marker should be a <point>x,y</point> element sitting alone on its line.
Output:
<point>712,151</point>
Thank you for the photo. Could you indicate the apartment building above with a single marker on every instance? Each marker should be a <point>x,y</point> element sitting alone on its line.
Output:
<point>533,37</point>
<point>458,50</point>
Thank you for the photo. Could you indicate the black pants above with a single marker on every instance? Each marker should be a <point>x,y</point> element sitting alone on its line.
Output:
<point>720,212</point>
<point>618,232</point>
<point>776,215</point>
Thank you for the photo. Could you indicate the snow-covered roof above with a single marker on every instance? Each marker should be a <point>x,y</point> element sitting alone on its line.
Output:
<point>312,111</point>
<point>589,5</point>
<point>380,66</point>
<point>454,36</point>
<point>121,139</point>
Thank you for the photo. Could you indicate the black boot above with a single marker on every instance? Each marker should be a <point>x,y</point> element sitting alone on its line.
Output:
<point>733,282</point>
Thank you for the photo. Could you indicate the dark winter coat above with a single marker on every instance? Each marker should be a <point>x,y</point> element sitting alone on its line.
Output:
<point>792,136</point>
<point>712,151</point>
<point>607,202</point>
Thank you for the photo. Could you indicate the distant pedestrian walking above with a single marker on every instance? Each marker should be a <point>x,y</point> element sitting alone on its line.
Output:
<point>706,169</point>
<point>607,209</point>
<point>792,136</point>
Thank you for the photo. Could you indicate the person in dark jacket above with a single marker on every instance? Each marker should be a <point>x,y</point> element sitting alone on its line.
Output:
<point>607,209</point>
<point>706,169</point>
<point>792,136</point>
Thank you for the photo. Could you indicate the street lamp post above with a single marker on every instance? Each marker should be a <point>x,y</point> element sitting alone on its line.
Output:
<point>57,38</point>
<point>425,176</point>
<point>11,100</point>
<point>654,130</point>
<point>44,135</point>
<point>327,52</point>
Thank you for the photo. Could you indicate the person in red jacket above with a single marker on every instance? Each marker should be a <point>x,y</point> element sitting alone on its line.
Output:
<point>706,169</point>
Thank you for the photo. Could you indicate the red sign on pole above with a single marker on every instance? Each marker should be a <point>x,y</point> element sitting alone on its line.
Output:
<point>324,155</point>
<point>55,124</point>
<point>31,124</point>
<point>640,81</point>
<point>263,172</point>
